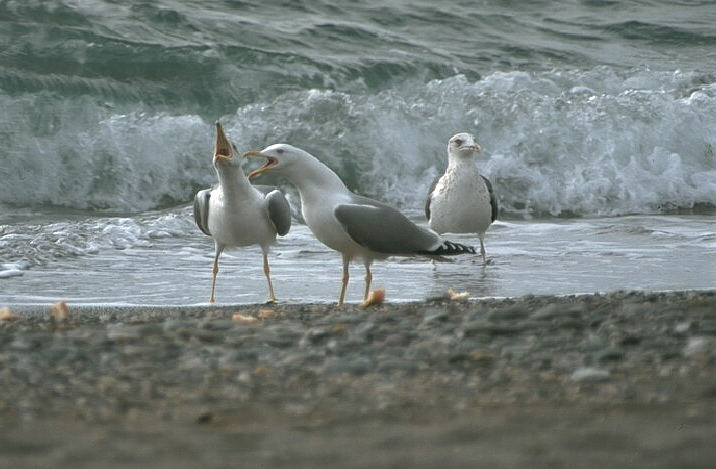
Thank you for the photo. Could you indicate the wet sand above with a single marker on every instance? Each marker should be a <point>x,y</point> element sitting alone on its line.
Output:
<point>618,380</point>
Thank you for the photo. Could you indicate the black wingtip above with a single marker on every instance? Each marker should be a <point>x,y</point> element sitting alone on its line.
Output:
<point>448,248</point>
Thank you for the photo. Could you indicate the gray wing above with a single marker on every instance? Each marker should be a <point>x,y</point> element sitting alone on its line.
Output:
<point>279,211</point>
<point>430,196</point>
<point>383,229</point>
<point>493,199</point>
<point>201,210</point>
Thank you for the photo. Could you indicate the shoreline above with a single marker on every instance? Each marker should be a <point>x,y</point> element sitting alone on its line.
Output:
<point>625,379</point>
<point>117,311</point>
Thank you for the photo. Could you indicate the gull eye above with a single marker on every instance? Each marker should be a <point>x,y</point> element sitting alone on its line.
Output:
<point>458,142</point>
<point>279,151</point>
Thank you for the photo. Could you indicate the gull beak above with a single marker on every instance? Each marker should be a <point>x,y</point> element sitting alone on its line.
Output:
<point>476,148</point>
<point>223,149</point>
<point>270,162</point>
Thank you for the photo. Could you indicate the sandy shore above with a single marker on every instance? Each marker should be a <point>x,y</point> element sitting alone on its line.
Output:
<point>618,380</point>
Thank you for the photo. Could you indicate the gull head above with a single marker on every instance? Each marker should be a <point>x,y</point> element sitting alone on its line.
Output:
<point>224,151</point>
<point>279,158</point>
<point>463,144</point>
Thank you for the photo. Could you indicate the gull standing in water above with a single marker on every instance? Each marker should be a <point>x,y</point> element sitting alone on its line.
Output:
<point>355,226</point>
<point>462,200</point>
<point>235,213</point>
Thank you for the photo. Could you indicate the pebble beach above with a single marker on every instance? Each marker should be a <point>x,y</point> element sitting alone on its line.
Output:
<point>607,380</point>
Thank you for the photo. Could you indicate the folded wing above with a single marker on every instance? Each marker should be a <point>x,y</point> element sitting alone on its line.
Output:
<point>383,229</point>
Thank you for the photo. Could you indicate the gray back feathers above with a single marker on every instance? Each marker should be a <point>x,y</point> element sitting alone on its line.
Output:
<point>201,210</point>
<point>279,211</point>
<point>493,199</point>
<point>383,229</point>
<point>430,196</point>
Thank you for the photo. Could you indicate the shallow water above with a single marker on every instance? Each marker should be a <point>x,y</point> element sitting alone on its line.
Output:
<point>145,264</point>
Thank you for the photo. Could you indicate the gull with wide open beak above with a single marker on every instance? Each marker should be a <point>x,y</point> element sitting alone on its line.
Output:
<point>236,213</point>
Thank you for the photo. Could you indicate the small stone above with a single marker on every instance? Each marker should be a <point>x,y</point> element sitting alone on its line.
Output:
<point>474,359</point>
<point>238,317</point>
<point>123,332</point>
<point>630,340</point>
<point>214,325</point>
<point>356,366</point>
<point>316,335</point>
<point>244,377</point>
<point>205,417</point>
<point>396,364</point>
<point>588,374</point>
<point>60,311</point>
<point>682,327</point>
<point>697,346</point>
<point>397,339</point>
<point>610,355</point>
<point>435,315</point>
<point>7,315</point>
<point>281,336</point>
<point>365,328</point>
<point>554,310</point>
<point>173,325</point>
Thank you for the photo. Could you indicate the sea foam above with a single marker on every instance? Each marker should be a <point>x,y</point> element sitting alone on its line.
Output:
<point>580,142</point>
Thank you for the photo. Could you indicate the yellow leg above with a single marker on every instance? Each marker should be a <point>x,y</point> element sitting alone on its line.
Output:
<point>368,279</point>
<point>344,280</point>
<point>215,271</point>
<point>371,298</point>
<point>267,273</point>
<point>482,251</point>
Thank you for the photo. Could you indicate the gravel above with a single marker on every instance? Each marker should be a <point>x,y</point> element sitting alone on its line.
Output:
<point>619,380</point>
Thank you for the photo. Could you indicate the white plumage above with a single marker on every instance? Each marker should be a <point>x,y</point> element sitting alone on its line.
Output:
<point>355,226</point>
<point>237,214</point>
<point>462,200</point>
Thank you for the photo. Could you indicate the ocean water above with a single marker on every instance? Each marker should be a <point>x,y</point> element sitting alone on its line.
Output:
<point>598,120</point>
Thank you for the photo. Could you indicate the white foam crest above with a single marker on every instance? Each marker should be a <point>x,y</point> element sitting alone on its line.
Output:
<point>594,142</point>
<point>83,155</point>
<point>563,142</point>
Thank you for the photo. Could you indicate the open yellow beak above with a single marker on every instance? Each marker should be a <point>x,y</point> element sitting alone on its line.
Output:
<point>270,162</point>
<point>223,149</point>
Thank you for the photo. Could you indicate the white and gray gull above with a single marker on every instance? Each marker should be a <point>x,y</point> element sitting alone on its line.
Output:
<point>462,200</point>
<point>236,213</point>
<point>355,226</point>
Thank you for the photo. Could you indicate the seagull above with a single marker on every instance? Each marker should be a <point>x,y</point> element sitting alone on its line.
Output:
<point>235,213</point>
<point>462,200</point>
<point>355,226</point>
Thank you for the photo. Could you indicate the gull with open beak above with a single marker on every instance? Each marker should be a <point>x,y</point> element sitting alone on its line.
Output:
<point>235,213</point>
<point>355,226</point>
<point>462,200</point>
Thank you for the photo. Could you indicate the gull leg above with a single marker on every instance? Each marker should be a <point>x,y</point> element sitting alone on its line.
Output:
<point>371,298</point>
<point>368,279</point>
<point>267,273</point>
<point>482,250</point>
<point>215,271</point>
<point>344,279</point>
